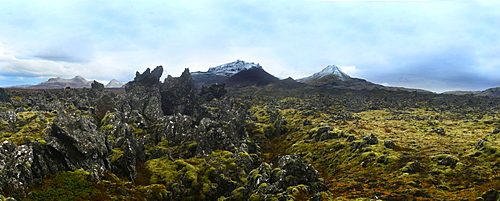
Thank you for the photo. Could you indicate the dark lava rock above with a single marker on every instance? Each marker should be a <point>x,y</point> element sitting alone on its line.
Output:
<point>296,171</point>
<point>215,91</point>
<point>413,167</point>
<point>178,95</point>
<point>496,131</point>
<point>491,195</point>
<point>371,139</point>
<point>291,172</point>
<point>4,95</point>
<point>326,133</point>
<point>389,144</point>
<point>449,161</point>
<point>75,142</point>
<point>97,86</point>
<point>439,131</point>
<point>307,122</point>
<point>147,78</point>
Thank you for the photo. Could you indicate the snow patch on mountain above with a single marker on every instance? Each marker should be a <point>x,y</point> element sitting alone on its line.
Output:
<point>328,71</point>
<point>230,69</point>
<point>114,84</point>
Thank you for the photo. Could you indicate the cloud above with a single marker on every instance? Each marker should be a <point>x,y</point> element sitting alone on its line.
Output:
<point>430,44</point>
<point>11,66</point>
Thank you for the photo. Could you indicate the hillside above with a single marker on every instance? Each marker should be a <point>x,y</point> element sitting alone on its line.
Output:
<point>332,77</point>
<point>492,92</point>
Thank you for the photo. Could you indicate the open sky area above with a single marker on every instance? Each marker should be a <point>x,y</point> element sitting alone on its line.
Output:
<point>438,45</point>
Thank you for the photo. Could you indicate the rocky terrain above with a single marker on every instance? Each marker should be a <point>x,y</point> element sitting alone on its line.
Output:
<point>157,141</point>
<point>269,139</point>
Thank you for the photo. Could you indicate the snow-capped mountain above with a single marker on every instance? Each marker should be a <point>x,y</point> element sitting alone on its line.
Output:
<point>58,83</point>
<point>330,71</point>
<point>76,82</point>
<point>114,84</point>
<point>232,68</point>
<point>221,73</point>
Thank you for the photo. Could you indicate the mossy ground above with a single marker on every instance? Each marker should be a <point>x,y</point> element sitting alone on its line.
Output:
<point>424,164</point>
<point>428,147</point>
<point>29,125</point>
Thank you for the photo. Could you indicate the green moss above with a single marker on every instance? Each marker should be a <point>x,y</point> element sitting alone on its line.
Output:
<point>137,131</point>
<point>66,185</point>
<point>107,127</point>
<point>16,98</point>
<point>30,126</point>
<point>254,197</point>
<point>26,115</point>
<point>6,134</point>
<point>244,154</point>
<point>163,170</point>
<point>238,194</point>
<point>263,185</point>
<point>116,154</point>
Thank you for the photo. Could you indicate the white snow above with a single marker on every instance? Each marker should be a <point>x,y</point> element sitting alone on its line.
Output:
<point>114,84</point>
<point>329,70</point>
<point>232,68</point>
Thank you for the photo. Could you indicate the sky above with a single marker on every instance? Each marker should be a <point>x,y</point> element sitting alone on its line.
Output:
<point>437,45</point>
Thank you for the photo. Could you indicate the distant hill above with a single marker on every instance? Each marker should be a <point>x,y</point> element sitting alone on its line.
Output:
<point>76,82</point>
<point>114,84</point>
<point>493,92</point>
<point>58,83</point>
<point>250,77</point>
<point>333,77</point>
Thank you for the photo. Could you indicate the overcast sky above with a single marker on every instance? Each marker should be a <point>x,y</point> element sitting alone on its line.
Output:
<point>437,45</point>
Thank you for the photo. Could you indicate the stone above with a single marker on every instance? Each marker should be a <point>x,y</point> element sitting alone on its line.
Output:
<point>214,91</point>
<point>491,195</point>
<point>179,95</point>
<point>147,78</point>
<point>97,86</point>
<point>479,144</point>
<point>439,131</point>
<point>389,144</point>
<point>371,139</point>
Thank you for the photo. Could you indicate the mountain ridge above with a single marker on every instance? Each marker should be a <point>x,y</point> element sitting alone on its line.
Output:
<point>75,82</point>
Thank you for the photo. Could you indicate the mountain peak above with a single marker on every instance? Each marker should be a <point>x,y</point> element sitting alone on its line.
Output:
<point>114,84</point>
<point>79,78</point>
<point>230,69</point>
<point>329,71</point>
<point>332,70</point>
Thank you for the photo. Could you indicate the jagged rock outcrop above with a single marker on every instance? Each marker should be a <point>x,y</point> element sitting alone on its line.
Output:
<point>217,91</point>
<point>75,143</point>
<point>291,176</point>
<point>97,86</point>
<point>179,95</point>
<point>147,78</point>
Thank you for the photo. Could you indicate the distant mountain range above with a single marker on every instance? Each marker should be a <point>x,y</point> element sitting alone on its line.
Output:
<point>487,92</point>
<point>76,82</point>
<point>241,74</point>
